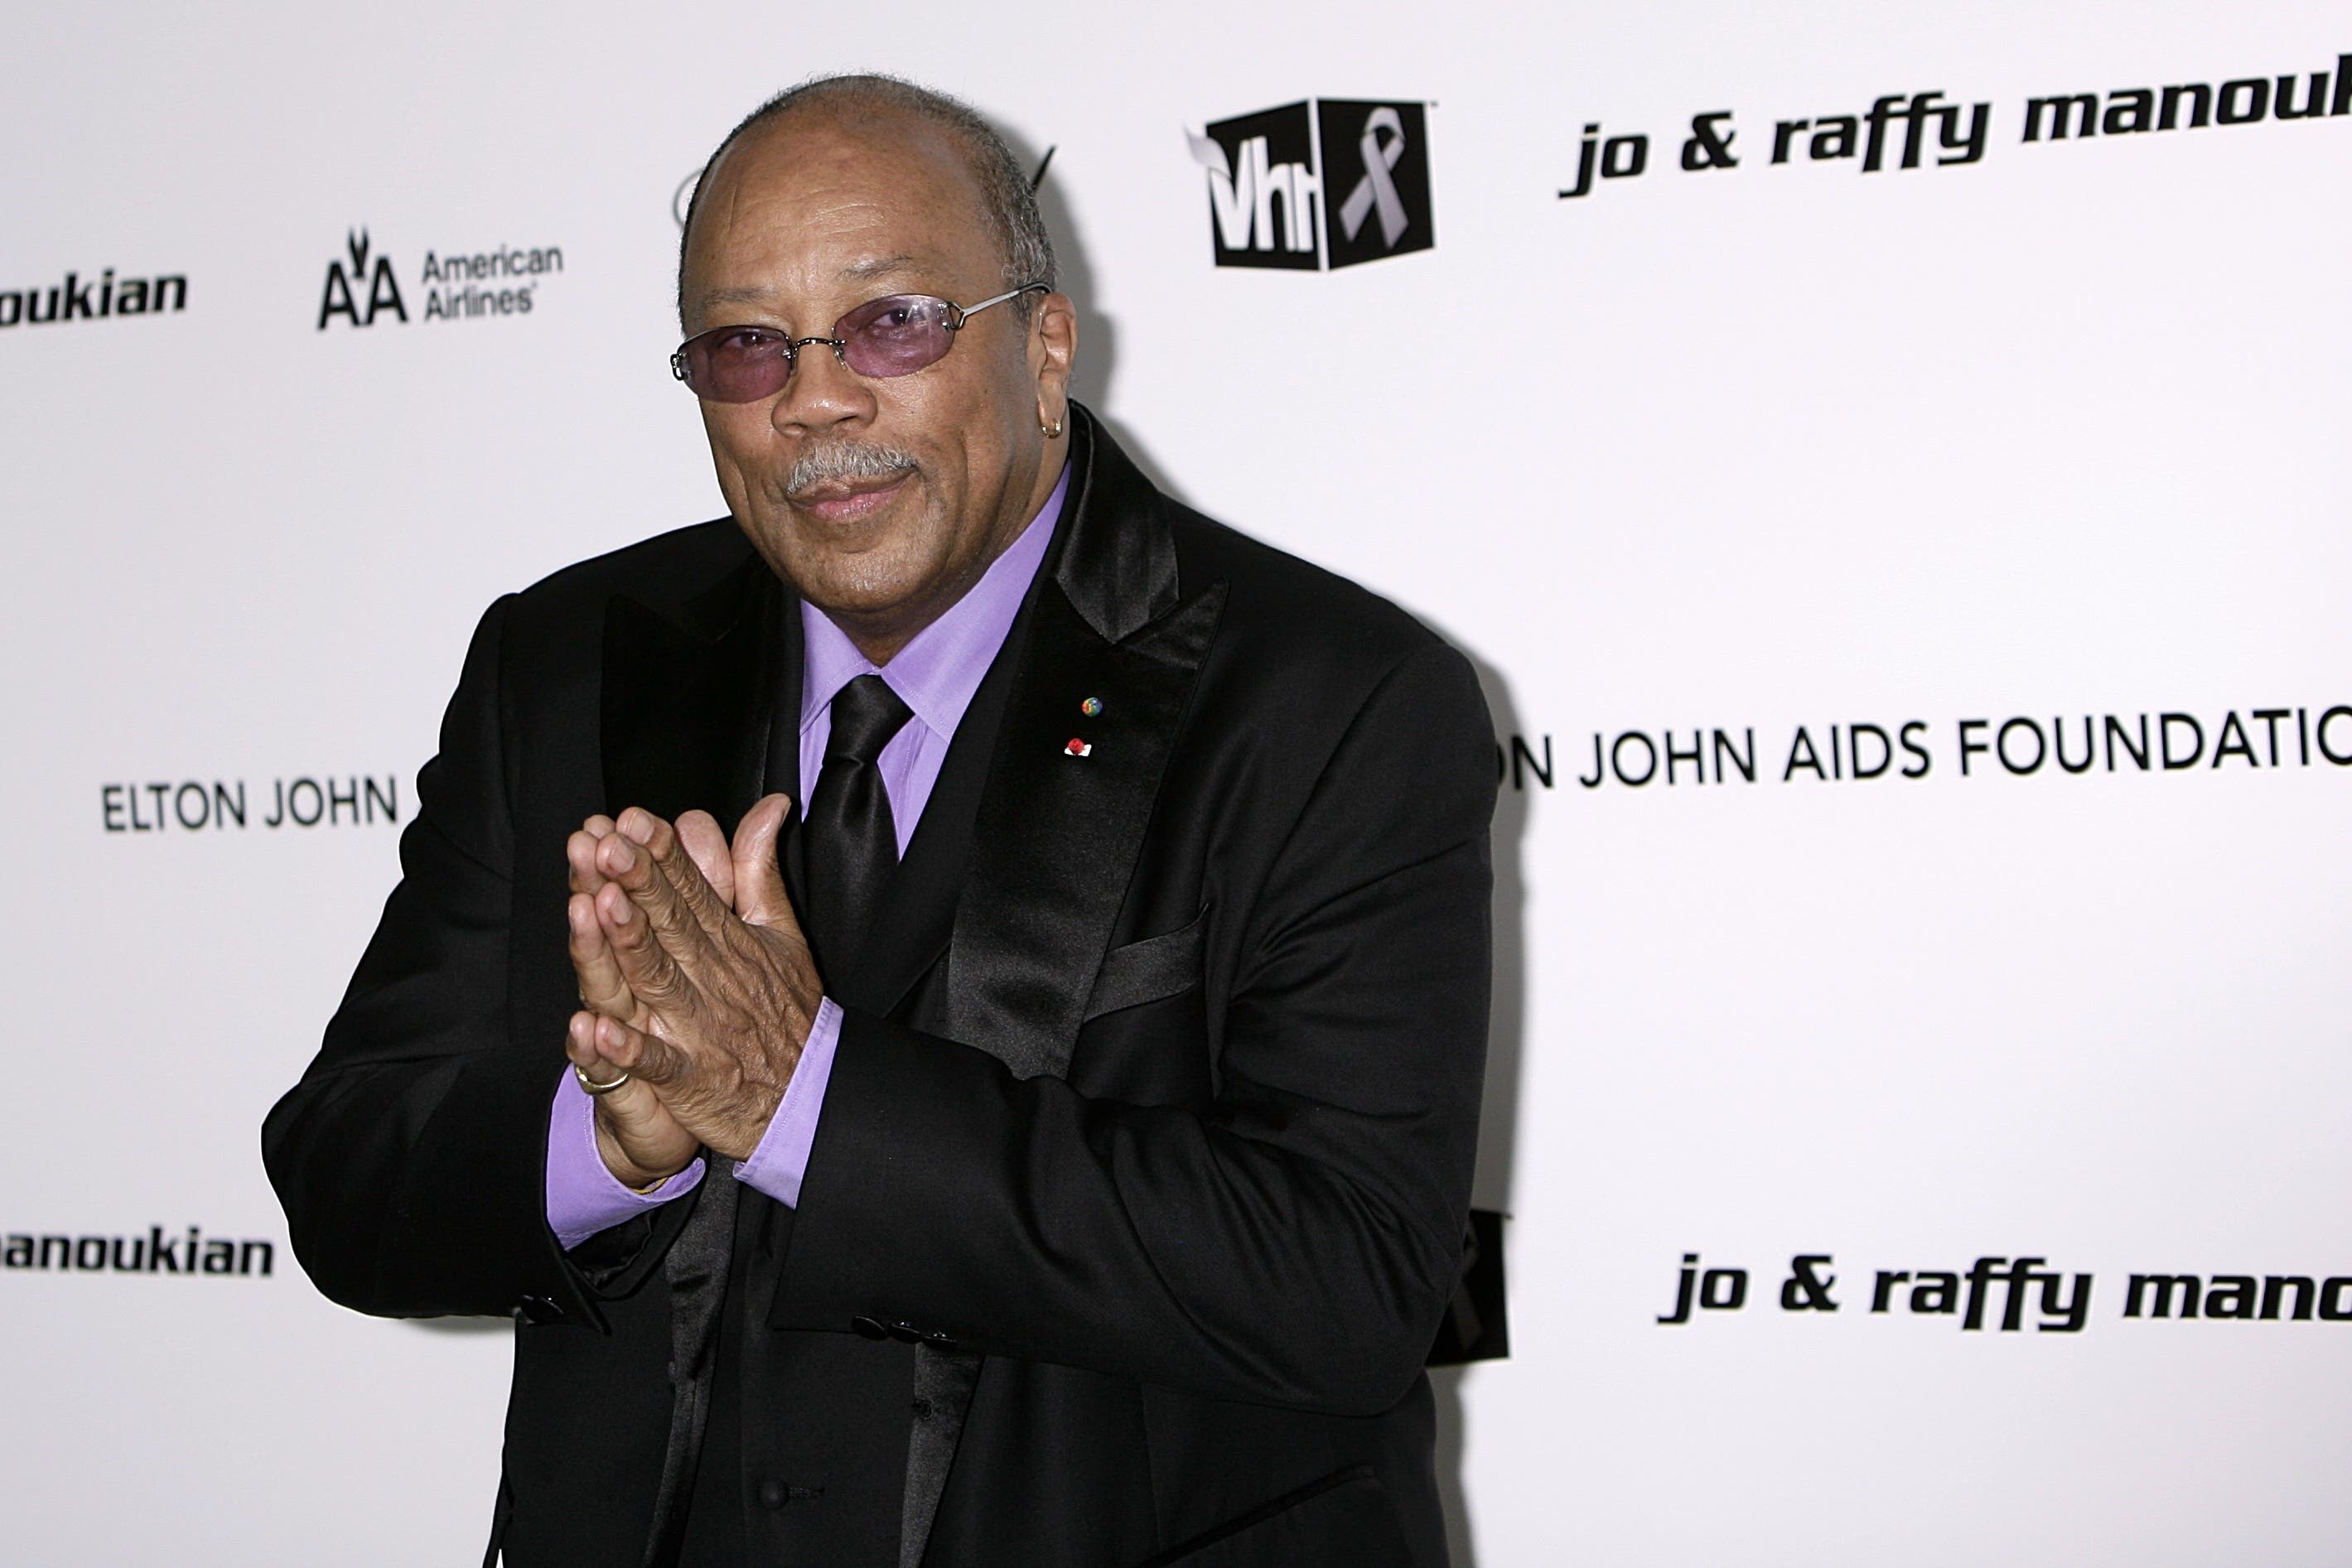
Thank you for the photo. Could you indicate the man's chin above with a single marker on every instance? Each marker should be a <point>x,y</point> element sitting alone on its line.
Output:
<point>876,582</point>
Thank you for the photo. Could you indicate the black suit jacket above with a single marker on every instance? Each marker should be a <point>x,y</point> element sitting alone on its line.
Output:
<point>1140,1182</point>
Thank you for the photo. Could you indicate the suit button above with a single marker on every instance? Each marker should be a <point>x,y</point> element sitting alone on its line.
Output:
<point>538,1310</point>
<point>773,1493</point>
<point>872,1328</point>
<point>905,1333</point>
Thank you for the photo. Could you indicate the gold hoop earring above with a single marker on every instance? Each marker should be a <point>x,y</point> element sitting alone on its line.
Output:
<point>1053,432</point>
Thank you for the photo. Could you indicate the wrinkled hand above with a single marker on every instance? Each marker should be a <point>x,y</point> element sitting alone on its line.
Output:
<point>640,1141</point>
<point>695,979</point>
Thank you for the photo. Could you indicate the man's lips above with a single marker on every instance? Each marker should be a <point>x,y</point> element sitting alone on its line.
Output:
<point>842,500</point>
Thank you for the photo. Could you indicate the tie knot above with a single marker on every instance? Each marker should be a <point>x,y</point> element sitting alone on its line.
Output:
<point>866,713</point>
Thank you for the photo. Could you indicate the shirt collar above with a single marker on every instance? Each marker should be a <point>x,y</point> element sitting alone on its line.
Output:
<point>937,671</point>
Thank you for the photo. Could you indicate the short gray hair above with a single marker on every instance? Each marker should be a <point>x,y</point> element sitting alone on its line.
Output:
<point>1007,199</point>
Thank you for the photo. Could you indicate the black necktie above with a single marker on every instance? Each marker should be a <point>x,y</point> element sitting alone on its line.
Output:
<point>851,844</point>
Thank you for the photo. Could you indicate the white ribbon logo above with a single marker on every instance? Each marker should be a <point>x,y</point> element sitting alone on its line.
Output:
<point>1376,189</point>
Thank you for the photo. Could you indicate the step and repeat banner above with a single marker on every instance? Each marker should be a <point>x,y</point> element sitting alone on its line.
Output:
<point>1888,463</point>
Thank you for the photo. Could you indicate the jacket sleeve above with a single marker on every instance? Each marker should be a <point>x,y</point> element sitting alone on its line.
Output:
<point>1292,1242</point>
<point>410,1158</point>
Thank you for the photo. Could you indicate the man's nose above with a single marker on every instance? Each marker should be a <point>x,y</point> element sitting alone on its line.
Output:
<point>823,393</point>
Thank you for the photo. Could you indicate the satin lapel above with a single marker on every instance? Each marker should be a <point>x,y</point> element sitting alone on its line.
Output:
<point>696,1269</point>
<point>783,772</point>
<point>1070,792</point>
<point>945,1378</point>
<point>690,713</point>
<point>688,699</point>
<point>1057,833</point>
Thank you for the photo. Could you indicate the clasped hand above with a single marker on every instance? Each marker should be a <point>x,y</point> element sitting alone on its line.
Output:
<point>695,980</point>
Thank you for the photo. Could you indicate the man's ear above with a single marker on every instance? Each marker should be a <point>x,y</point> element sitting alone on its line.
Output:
<point>1053,351</point>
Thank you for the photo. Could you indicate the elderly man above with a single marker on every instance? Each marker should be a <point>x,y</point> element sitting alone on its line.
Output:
<point>950,1007</point>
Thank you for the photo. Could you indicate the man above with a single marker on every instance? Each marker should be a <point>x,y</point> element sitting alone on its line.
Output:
<point>1082,1181</point>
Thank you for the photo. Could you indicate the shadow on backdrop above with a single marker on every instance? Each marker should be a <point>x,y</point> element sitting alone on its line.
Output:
<point>1094,381</point>
<point>1499,1116</point>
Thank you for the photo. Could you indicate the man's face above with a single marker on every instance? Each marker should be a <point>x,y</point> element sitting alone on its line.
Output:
<point>880,500</point>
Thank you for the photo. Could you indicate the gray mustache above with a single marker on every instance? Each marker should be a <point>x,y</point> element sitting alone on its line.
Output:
<point>845,461</point>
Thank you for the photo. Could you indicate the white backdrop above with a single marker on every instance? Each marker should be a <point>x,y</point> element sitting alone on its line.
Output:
<point>2056,431</point>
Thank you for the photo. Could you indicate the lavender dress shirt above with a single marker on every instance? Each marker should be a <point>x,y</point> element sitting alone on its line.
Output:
<point>935,674</point>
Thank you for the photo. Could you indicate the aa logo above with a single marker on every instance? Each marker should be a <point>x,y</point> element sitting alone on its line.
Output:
<point>357,292</point>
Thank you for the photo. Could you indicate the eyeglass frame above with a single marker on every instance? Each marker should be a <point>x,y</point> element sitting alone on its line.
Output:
<point>957,316</point>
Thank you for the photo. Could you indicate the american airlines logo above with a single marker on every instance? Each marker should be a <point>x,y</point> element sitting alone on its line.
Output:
<point>1321,184</point>
<point>368,290</point>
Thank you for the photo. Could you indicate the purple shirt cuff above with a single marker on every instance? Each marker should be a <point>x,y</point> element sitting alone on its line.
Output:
<point>583,1197</point>
<point>780,1162</point>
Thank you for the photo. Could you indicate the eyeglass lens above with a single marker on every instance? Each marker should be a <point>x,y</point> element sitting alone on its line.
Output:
<point>890,337</point>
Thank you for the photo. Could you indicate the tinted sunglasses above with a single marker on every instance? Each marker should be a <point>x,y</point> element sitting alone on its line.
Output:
<point>892,337</point>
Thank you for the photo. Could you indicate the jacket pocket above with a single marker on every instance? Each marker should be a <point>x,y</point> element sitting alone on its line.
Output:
<point>1343,1521</point>
<point>1151,971</point>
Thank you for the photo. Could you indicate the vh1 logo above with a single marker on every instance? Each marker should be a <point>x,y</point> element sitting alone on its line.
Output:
<point>1324,182</point>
